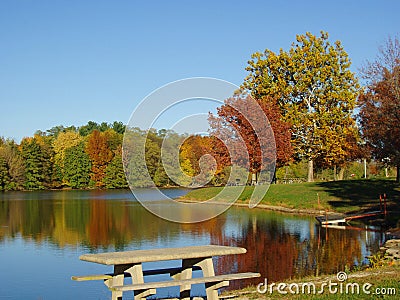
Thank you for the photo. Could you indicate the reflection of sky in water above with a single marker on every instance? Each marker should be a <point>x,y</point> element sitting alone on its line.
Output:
<point>298,227</point>
<point>233,226</point>
<point>370,240</point>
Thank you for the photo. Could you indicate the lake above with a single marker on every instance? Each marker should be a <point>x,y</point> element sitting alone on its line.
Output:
<point>42,235</point>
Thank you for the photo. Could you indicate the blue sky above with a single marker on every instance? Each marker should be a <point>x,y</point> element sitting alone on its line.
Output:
<point>68,62</point>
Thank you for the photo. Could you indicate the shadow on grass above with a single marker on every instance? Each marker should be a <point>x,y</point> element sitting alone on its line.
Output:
<point>363,194</point>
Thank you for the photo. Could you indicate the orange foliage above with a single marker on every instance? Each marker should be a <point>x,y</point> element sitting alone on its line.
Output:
<point>100,155</point>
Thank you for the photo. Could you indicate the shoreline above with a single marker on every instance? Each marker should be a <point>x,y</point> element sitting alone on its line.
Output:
<point>392,231</point>
<point>295,211</point>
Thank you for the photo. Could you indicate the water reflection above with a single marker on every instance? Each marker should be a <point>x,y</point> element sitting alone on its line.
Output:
<point>279,246</point>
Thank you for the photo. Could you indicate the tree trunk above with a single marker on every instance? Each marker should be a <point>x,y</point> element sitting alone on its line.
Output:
<point>310,171</point>
<point>254,179</point>
<point>365,168</point>
<point>334,173</point>
<point>341,174</point>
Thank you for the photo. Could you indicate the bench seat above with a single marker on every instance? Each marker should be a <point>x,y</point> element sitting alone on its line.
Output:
<point>92,277</point>
<point>162,284</point>
<point>170,271</point>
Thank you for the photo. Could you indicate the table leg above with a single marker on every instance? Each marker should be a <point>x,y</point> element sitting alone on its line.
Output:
<point>136,271</point>
<point>117,280</point>
<point>207,267</point>
<point>185,273</point>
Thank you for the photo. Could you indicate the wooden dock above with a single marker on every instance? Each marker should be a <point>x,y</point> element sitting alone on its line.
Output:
<point>337,219</point>
<point>342,219</point>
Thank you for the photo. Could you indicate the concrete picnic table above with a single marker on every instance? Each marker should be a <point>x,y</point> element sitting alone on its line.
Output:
<point>129,263</point>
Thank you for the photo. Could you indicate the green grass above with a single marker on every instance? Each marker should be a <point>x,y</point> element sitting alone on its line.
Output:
<point>339,196</point>
<point>387,277</point>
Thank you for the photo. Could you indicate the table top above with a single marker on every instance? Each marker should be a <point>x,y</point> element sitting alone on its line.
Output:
<point>139,256</point>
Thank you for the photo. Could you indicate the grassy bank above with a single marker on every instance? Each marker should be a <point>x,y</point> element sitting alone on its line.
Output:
<point>339,196</point>
<point>384,279</point>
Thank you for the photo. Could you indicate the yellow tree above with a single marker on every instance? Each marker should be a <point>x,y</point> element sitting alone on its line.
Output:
<point>316,92</point>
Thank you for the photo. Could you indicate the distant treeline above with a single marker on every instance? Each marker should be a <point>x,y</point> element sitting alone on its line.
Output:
<point>90,156</point>
<point>76,157</point>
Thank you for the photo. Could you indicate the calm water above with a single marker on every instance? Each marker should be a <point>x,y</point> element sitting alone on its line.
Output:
<point>42,235</point>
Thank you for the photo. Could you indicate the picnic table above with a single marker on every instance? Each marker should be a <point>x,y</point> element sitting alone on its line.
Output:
<point>129,264</point>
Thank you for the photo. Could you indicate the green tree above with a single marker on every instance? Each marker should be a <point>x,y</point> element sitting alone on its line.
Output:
<point>115,175</point>
<point>152,152</point>
<point>45,143</point>
<point>118,127</point>
<point>88,128</point>
<point>134,164</point>
<point>36,161</point>
<point>56,130</point>
<point>77,166</point>
<point>161,178</point>
<point>316,92</point>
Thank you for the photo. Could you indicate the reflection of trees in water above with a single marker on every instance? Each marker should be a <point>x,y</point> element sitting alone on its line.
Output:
<point>15,216</point>
<point>330,251</point>
<point>278,254</point>
<point>270,251</point>
<point>275,250</point>
<point>95,223</point>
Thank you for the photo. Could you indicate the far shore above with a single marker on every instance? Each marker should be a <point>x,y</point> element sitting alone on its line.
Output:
<point>297,211</point>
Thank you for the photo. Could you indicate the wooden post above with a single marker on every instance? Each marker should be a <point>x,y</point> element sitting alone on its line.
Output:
<point>326,227</point>
<point>384,203</point>
<point>380,202</point>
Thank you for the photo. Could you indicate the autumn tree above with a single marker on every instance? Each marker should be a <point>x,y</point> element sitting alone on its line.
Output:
<point>192,149</point>
<point>315,91</point>
<point>14,164</point>
<point>4,176</point>
<point>192,152</point>
<point>278,139</point>
<point>380,104</point>
<point>100,155</point>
